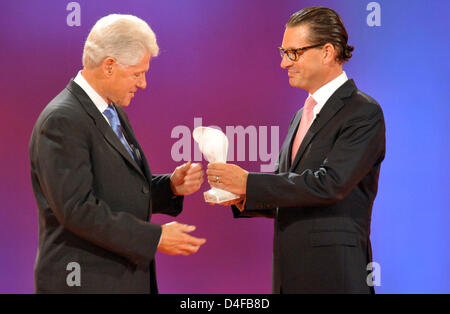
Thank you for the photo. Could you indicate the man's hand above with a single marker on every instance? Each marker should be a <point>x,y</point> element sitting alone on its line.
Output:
<point>186,179</point>
<point>227,177</point>
<point>175,240</point>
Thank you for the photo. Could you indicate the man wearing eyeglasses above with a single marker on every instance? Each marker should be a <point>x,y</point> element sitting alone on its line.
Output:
<point>326,179</point>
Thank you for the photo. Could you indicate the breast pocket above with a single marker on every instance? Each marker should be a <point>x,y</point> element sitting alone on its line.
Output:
<point>333,238</point>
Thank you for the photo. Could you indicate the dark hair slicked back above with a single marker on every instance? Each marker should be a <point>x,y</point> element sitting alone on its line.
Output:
<point>325,26</point>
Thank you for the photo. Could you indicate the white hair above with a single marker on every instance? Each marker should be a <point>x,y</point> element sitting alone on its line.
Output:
<point>125,38</point>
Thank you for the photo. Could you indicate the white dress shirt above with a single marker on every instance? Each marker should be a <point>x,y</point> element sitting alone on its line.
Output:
<point>98,101</point>
<point>322,95</point>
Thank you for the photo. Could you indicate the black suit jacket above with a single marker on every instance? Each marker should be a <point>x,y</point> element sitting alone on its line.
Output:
<point>94,201</point>
<point>322,202</point>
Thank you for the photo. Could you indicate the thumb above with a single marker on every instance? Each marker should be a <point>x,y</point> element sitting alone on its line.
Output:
<point>186,166</point>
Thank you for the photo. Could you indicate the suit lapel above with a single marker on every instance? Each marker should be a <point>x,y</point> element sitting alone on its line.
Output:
<point>331,107</point>
<point>132,139</point>
<point>101,123</point>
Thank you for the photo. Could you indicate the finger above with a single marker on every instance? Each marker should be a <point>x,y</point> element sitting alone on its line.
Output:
<point>215,178</point>
<point>193,184</point>
<point>222,179</point>
<point>213,183</point>
<point>196,184</point>
<point>187,228</point>
<point>218,183</point>
<point>189,248</point>
<point>178,251</point>
<point>195,168</point>
<point>194,176</point>
<point>194,181</point>
<point>190,240</point>
<point>215,172</point>
<point>189,251</point>
<point>223,186</point>
<point>217,165</point>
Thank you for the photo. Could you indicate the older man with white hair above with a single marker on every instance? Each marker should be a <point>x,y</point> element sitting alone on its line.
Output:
<point>94,189</point>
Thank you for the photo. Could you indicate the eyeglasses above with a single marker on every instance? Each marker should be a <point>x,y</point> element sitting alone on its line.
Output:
<point>294,54</point>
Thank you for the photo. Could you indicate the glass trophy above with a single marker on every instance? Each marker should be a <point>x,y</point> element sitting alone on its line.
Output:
<point>213,144</point>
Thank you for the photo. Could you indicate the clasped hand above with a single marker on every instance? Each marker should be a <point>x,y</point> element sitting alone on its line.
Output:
<point>230,178</point>
<point>187,179</point>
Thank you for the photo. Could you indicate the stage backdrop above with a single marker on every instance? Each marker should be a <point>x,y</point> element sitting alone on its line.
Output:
<point>219,65</point>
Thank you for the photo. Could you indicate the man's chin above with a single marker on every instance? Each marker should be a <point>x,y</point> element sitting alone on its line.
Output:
<point>124,103</point>
<point>295,83</point>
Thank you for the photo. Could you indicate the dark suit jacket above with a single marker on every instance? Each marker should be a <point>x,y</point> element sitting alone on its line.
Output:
<point>94,201</point>
<point>322,202</point>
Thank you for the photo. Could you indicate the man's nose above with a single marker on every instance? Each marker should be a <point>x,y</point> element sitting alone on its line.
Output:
<point>285,61</point>
<point>142,83</point>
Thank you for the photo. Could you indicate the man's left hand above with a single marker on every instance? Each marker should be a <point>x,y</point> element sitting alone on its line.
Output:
<point>186,179</point>
<point>227,177</point>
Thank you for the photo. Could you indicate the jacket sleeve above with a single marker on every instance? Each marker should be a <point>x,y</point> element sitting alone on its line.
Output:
<point>359,146</point>
<point>163,200</point>
<point>251,213</point>
<point>62,160</point>
<point>267,211</point>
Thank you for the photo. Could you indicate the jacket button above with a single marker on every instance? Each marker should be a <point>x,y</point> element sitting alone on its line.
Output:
<point>145,189</point>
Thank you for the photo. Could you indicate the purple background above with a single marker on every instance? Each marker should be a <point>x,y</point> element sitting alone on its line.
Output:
<point>218,61</point>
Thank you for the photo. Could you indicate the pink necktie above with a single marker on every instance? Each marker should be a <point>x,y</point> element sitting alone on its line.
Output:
<point>305,122</point>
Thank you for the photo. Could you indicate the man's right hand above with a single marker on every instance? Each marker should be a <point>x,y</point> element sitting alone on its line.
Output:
<point>175,240</point>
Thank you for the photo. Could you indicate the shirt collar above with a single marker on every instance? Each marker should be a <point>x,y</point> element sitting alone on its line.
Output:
<point>98,101</point>
<point>322,95</point>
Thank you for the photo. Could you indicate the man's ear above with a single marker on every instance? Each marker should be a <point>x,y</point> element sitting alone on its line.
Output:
<point>329,53</point>
<point>108,66</point>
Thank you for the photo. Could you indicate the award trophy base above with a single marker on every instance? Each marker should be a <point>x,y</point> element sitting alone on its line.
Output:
<point>217,196</point>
